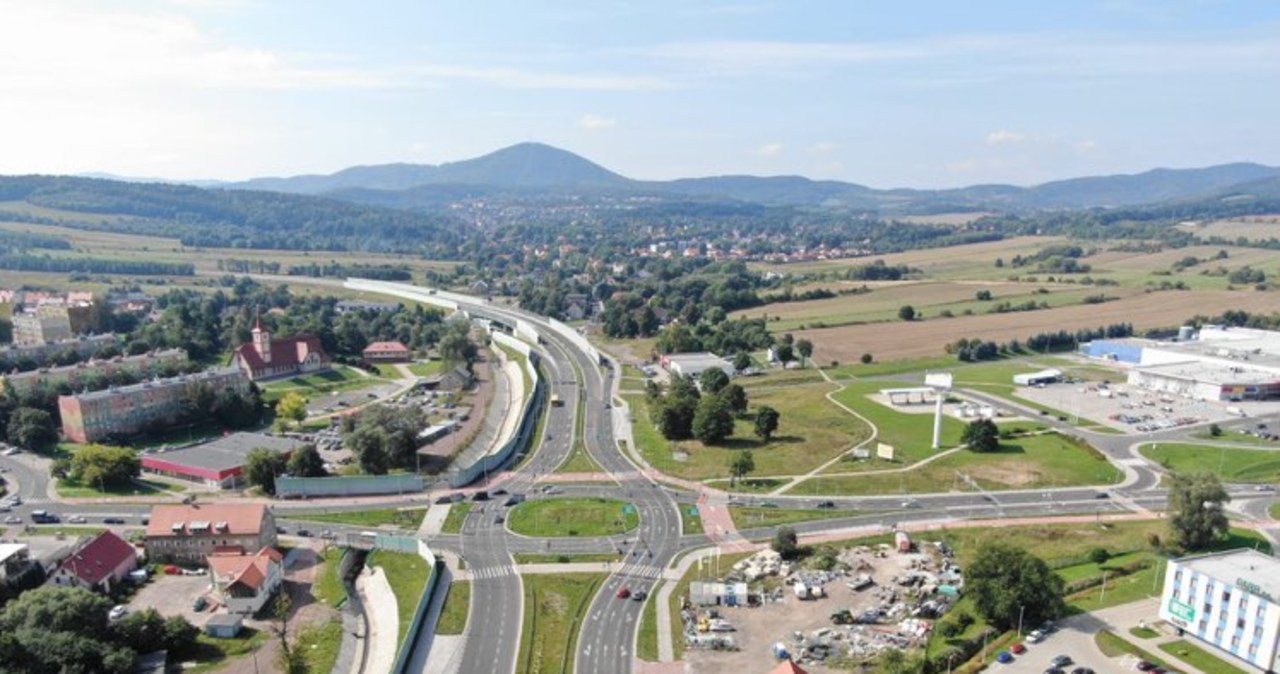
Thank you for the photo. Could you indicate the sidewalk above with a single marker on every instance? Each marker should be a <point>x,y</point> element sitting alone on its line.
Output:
<point>433,523</point>
<point>384,620</point>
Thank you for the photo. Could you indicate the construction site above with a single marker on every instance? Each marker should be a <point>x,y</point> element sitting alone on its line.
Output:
<point>829,612</point>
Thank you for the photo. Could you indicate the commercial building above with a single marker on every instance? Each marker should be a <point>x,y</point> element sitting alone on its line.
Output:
<point>245,582</point>
<point>35,355</point>
<point>694,364</point>
<point>267,358</point>
<point>191,533</point>
<point>386,352</point>
<point>1215,363</point>
<point>89,372</point>
<point>97,565</point>
<point>1048,376</point>
<point>125,410</point>
<point>1228,600</point>
<point>217,463</point>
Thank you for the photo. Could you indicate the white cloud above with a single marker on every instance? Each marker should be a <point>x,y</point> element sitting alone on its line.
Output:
<point>1085,146</point>
<point>592,122</point>
<point>824,147</point>
<point>1005,137</point>
<point>770,150</point>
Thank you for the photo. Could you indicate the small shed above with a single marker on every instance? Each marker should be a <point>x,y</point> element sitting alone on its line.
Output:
<point>902,541</point>
<point>224,626</point>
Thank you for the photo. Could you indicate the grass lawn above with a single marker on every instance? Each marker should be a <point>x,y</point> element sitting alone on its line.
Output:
<point>407,573</point>
<point>68,488</point>
<point>1199,658</point>
<point>328,586</point>
<point>1232,465</point>
<point>554,607</point>
<point>647,637</point>
<point>426,369</point>
<point>1229,435</point>
<point>579,461</point>
<point>873,369</point>
<point>212,654</point>
<point>453,617</point>
<point>409,518</point>
<point>1147,582</point>
<point>321,643</point>
<point>340,378</point>
<point>1143,632</point>
<point>1275,511</point>
<point>1030,462</point>
<point>1113,646</point>
<point>573,517</point>
<point>749,517</point>
<point>542,558</point>
<point>910,434</point>
<point>690,520</point>
<point>457,515</point>
<point>811,431</point>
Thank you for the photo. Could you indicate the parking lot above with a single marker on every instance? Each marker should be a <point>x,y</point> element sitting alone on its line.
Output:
<point>174,595</point>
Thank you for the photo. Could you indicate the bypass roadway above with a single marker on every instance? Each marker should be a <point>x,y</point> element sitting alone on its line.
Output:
<point>608,631</point>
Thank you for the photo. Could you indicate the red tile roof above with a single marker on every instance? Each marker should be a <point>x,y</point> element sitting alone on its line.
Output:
<point>241,519</point>
<point>99,558</point>
<point>787,667</point>
<point>246,570</point>
<point>383,347</point>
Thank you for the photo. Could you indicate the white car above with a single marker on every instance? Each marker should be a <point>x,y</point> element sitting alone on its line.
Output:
<point>1035,637</point>
<point>117,612</point>
<point>11,451</point>
<point>77,519</point>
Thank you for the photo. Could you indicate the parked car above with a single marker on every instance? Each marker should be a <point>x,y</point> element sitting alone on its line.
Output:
<point>1060,661</point>
<point>199,604</point>
<point>117,612</point>
<point>1004,657</point>
<point>1035,637</point>
<point>1018,649</point>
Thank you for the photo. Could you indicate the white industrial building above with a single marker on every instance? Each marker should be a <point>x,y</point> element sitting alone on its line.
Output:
<point>694,364</point>
<point>1227,600</point>
<point>1215,363</point>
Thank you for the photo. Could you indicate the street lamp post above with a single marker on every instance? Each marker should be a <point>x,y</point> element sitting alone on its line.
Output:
<point>1021,608</point>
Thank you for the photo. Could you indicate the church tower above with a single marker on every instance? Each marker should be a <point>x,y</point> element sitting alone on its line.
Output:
<point>261,340</point>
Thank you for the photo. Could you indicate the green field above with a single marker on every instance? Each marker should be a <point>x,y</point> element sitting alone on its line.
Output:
<point>910,434</point>
<point>340,378</point>
<point>321,643</point>
<point>554,607</point>
<point>428,368</point>
<point>1030,462</point>
<point>408,518</point>
<point>750,517</point>
<point>572,517</point>
<point>1232,465</point>
<point>407,573</point>
<point>328,586</point>
<point>453,617</point>
<point>647,635</point>
<point>811,431</point>
<point>68,488</point>
<point>457,516</point>
<point>1199,658</point>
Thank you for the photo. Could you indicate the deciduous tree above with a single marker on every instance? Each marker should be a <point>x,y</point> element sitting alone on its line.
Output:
<point>1197,517</point>
<point>766,422</point>
<point>1004,580</point>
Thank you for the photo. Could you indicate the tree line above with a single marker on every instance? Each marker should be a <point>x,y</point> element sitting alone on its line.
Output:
<point>95,265</point>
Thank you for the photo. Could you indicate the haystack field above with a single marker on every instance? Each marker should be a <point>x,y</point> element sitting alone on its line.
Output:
<point>888,341</point>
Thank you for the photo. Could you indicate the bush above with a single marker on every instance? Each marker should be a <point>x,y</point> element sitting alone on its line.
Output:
<point>1099,555</point>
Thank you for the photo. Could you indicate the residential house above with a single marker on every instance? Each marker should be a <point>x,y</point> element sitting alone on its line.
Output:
<point>191,533</point>
<point>267,358</point>
<point>244,582</point>
<point>97,565</point>
<point>386,352</point>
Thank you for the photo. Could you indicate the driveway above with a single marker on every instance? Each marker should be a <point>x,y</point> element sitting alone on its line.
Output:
<point>174,595</point>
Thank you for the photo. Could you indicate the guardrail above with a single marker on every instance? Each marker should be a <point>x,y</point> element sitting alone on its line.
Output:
<point>404,655</point>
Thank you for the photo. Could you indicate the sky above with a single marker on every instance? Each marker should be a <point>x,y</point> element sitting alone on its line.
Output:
<point>886,94</point>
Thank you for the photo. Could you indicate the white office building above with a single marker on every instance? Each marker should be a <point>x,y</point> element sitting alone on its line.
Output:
<point>1228,600</point>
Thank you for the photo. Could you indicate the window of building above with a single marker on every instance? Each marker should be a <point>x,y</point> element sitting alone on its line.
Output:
<point>1239,623</point>
<point>1226,596</point>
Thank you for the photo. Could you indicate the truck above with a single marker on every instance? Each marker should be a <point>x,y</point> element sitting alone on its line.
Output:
<point>556,401</point>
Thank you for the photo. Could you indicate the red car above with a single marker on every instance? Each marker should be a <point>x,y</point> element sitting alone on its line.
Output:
<point>1018,649</point>
<point>623,593</point>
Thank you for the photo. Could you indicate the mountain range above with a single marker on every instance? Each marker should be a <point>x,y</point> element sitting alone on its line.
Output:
<point>531,169</point>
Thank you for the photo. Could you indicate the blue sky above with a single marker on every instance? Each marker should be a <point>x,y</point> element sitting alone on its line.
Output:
<point>887,94</point>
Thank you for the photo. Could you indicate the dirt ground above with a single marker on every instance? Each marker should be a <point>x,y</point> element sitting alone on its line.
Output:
<point>757,629</point>
<point>889,341</point>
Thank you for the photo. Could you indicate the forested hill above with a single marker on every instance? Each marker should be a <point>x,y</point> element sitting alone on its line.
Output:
<point>226,218</point>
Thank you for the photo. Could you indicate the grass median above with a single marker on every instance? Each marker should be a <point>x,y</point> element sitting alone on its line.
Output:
<point>554,608</point>
<point>573,517</point>
<point>752,517</point>
<point>453,617</point>
<point>454,520</point>
<point>1232,465</point>
<point>410,518</point>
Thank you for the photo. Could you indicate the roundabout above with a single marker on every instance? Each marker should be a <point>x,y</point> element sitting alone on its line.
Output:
<point>569,517</point>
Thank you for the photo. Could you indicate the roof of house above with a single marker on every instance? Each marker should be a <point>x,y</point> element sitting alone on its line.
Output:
<point>207,519</point>
<point>8,550</point>
<point>217,459</point>
<point>99,558</point>
<point>378,347</point>
<point>224,620</point>
<point>787,667</point>
<point>247,570</point>
<point>284,351</point>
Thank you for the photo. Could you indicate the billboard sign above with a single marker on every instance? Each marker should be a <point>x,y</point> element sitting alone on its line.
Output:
<point>1182,610</point>
<point>884,451</point>
<point>938,379</point>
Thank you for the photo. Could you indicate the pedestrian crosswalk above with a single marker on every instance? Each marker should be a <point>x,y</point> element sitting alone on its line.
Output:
<point>641,571</point>
<point>488,572</point>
